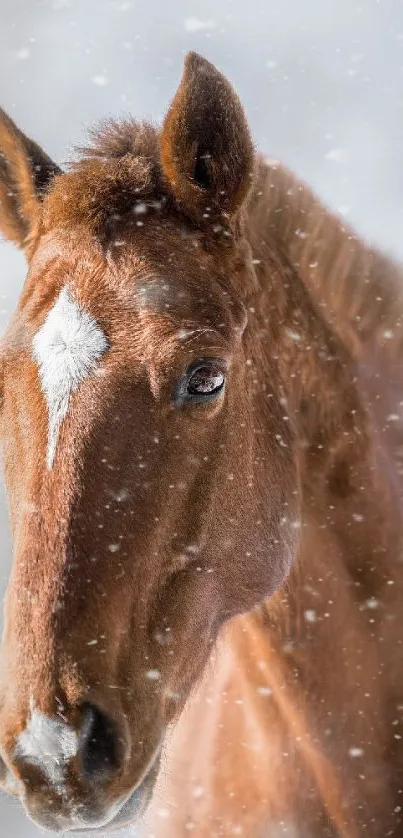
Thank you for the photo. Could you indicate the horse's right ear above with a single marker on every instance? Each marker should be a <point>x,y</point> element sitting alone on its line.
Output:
<point>207,154</point>
<point>25,172</point>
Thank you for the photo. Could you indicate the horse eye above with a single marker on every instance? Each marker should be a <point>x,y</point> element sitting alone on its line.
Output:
<point>206,380</point>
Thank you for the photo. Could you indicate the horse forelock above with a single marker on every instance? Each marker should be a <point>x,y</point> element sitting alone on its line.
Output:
<point>112,176</point>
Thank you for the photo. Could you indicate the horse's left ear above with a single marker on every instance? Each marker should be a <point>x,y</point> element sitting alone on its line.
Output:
<point>206,149</point>
<point>25,171</point>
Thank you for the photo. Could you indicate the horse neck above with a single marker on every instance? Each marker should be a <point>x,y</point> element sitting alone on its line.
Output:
<point>316,282</point>
<point>350,502</point>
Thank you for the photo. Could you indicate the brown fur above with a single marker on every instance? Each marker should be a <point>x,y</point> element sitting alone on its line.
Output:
<point>290,723</point>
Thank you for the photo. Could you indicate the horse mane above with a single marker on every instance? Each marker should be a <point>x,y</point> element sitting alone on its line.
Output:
<point>358,290</point>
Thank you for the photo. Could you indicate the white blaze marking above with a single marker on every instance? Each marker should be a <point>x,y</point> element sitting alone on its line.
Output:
<point>67,349</point>
<point>49,742</point>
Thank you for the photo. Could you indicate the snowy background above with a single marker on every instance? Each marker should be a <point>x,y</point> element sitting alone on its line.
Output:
<point>321,80</point>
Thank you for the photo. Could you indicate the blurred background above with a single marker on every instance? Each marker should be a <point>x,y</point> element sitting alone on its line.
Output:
<point>321,81</point>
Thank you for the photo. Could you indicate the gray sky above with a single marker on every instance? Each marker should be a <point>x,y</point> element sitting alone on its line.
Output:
<point>321,80</point>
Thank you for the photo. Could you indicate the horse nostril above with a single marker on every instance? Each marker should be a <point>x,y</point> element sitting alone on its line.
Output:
<point>101,749</point>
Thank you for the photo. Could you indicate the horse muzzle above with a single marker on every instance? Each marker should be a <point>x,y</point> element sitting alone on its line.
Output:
<point>75,778</point>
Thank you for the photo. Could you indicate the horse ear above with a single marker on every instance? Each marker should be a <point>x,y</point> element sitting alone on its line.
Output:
<point>207,153</point>
<point>25,172</point>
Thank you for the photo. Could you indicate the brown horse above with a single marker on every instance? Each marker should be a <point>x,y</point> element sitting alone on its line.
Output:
<point>202,395</point>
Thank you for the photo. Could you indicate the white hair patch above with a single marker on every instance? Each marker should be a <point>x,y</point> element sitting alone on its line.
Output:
<point>67,348</point>
<point>48,742</point>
